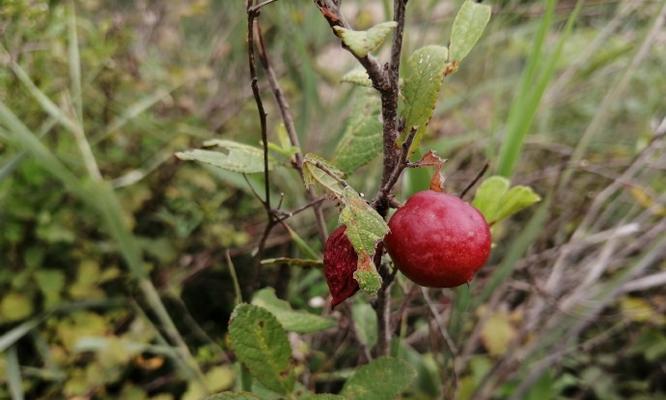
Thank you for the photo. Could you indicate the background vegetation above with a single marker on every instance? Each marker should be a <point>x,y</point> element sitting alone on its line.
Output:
<point>96,97</point>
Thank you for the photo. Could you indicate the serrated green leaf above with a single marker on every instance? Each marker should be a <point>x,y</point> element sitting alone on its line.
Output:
<point>291,320</point>
<point>260,343</point>
<point>233,396</point>
<point>468,26</point>
<point>382,379</point>
<point>362,140</point>
<point>363,42</point>
<point>357,76</point>
<point>365,322</point>
<point>424,71</point>
<point>235,157</point>
<point>319,172</point>
<point>365,228</point>
<point>496,201</point>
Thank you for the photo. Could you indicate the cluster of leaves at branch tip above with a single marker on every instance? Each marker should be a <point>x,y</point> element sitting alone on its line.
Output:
<point>361,43</point>
<point>259,339</point>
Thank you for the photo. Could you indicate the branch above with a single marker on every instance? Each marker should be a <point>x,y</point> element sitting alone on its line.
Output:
<point>385,190</point>
<point>385,79</point>
<point>252,13</point>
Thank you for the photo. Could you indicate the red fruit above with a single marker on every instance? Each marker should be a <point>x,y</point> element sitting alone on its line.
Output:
<point>339,265</point>
<point>438,240</point>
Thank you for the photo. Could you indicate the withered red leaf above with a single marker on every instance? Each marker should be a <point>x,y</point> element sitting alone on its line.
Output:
<point>340,261</point>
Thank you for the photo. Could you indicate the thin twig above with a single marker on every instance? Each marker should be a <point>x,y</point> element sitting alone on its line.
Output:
<point>255,8</point>
<point>270,224</point>
<point>475,180</point>
<point>288,120</point>
<point>313,203</point>
<point>251,15</point>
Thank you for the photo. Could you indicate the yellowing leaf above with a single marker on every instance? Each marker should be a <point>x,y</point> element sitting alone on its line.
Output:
<point>497,333</point>
<point>317,171</point>
<point>639,310</point>
<point>363,42</point>
<point>645,200</point>
<point>15,306</point>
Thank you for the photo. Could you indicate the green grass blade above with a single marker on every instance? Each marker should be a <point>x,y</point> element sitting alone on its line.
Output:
<point>526,101</point>
<point>15,334</point>
<point>21,136</point>
<point>74,62</point>
<point>13,374</point>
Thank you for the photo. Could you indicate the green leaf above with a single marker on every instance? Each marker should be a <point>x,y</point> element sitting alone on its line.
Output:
<point>496,201</point>
<point>424,71</point>
<point>51,282</point>
<point>357,76</point>
<point>516,199</point>
<point>291,320</point>
<point>363,42</point>
<point>362,140</point>
<point>15,306</point>
<point>365,322</point>
<point>235,157</point>
<point>319,172</point>
<point>382,379</point>
<point>487,196</point>
<point>365,228</point>
<point>261,344</point>
<point>468,26</point>
<point>233,396</point>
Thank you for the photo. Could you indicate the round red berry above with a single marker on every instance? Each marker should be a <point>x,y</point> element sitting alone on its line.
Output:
<point>438,240</point>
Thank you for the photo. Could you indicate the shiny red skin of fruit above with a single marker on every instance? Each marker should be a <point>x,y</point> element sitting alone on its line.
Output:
<point>438,240</point>
<point>340,261</point>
